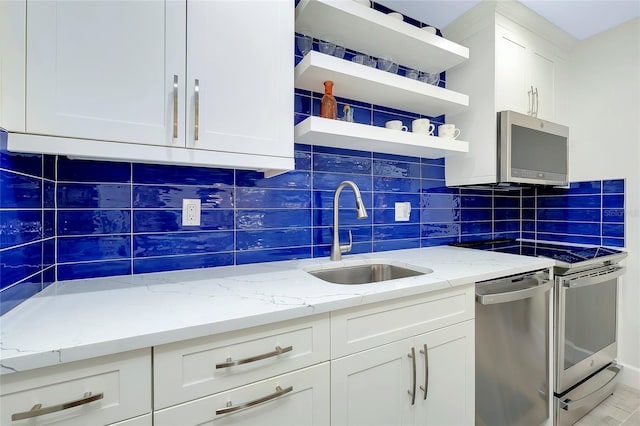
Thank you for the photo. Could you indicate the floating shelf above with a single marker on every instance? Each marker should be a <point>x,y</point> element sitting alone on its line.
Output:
<point>339,134</point>
<point>355,81</point>
<point>366,29</point>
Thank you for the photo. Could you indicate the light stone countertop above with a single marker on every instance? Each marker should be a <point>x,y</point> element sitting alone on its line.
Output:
<point>81,319</point>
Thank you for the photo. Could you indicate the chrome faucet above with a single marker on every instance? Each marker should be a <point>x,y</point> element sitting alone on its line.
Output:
<point>361,212</point>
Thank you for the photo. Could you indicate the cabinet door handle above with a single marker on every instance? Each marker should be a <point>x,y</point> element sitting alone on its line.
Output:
<point>196,112</point>
<point>535,94</point>
<point>230,408</point>
<point>412,355</point>
<point>175,107</point>
<point>425,389</point>
<point>37,409</point>
<point>230,362</point>
<point>530,93</point>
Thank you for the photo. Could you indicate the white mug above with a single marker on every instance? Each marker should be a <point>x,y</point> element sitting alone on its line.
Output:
<point>448,131</point>
<point>423,126</point>
<point>395,125</point>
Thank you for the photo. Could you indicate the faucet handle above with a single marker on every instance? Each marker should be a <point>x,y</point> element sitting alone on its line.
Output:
<point>347,248</point>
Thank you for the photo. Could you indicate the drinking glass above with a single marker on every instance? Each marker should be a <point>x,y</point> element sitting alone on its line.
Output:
<point>304,43</point>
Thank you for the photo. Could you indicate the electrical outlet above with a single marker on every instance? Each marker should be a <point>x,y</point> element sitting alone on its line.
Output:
<point>403,211</point>
<point>190,212</point>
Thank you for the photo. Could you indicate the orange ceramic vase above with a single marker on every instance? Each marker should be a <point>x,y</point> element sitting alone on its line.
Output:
<point>328,104</point>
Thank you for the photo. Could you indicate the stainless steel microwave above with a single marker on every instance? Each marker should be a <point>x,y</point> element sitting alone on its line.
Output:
<point>531,150</point>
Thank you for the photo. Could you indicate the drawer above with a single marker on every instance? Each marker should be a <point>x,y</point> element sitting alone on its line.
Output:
<point>196,368</point>
<point>146,420</point>
<point>364,327</point>
<point>300,398</point>
<point>123,381</point>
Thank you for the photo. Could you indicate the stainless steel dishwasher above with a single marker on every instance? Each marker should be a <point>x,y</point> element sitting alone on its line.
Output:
<point>512,350</point>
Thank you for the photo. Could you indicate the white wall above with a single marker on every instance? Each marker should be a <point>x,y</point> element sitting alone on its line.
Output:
<point>605,143</point>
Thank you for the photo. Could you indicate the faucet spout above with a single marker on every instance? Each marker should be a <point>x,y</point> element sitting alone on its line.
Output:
<point>361,213</point>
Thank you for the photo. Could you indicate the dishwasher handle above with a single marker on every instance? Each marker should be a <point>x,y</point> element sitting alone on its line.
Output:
<point>538,287</point>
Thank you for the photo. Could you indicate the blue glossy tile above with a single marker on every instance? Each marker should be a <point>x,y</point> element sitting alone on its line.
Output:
<point>563,238</point>
<point>433,161</point>
<point>506,202</point>
<point>440,215</point>
<point>93,195</point>
<point>475,201</point>
<point>302,103</point>
<point>576,201</point>
<point>302,147</point>
<point>76,271</point>
<point>613,242</point>
<point>387,216</point>
<point>383,109</point>
<point>272,219</point>
<point>528,236</point>
<point>173,263</point>
<point>430,171</point>
<point>302,160</point>
<point>48,223</point>
<point>19,191</point>
<point>614,186</point>
<point>506,214</point>
<point>299,118</point>
<point>346,200</point>
<point>12,296</point>
<point>49,195</point>
<point>180,243</point>
<point>395,232</point>
<point>473,215</point>
<point>438,241</point>
<point>529,226</point>
<point>576,228</point>
<point>85,248</point>
<point>357,248</point>
<point>49,165</point>
<point>613,215</point>
<point>301,91</point>
<point>273,198</point>
<point>273,238</point>
<point>18,263</point>
<point>341,164</point>
<point>381,117</point>
<point>440,201</point>
<point>395,158</point>
<point>476,192</point>
<point>171,196</point>
<point>399,169</point>
<point>324,235</point>
<point>48,277</point>
<point>340,151</point>
<point>48,252</point>
<point>437,186</point>
<point>476,227</point>
<point>389,199</point>
<point>587,187</point>
<point>613,201</point>
<point>171,220</point>
<point>512,235</point>
<point>29,164</point>
<point>390,184</point>
<point>93,222</point>
<point>295,179</point>
<point>439,230</point>
<point>569,214</point>
<point>330,181</point>
<point>70,170</point>
<point>506,226</point>
<point>396,245</point>
<point>475,237</point>
<point>346,218</point>
<point>529,214</point>
<point>613,230</point>
<point>19,227</point>
<point>157,174</point>
<point>272,255</point>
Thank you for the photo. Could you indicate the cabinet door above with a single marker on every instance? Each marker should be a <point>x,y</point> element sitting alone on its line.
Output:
<point>542,76</point>
<point>512,85</point>
<point>448,376</point>
<point>104,69</point>
<point>241,53</point>
<point>371,387</point>
<point>307,404</point>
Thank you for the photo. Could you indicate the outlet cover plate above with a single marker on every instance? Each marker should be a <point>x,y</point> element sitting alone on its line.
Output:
<point>403,211</point>
<point>190,212</point>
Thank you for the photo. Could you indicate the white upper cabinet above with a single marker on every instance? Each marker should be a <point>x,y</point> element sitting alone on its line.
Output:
<point>103,70</point>
<point>241,53</point>
<point>117,80</point>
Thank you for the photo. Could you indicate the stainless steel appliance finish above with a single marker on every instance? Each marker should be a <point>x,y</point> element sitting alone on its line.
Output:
<point>512,351</point>
<point>367,273</point>
<point>531,150</point>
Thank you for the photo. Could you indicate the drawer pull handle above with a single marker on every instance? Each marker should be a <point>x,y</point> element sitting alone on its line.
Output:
<point>425,388</point>
<point>37,409</point>
<point>175,108</point>
<point>412,355</point>
<point>231,363</point>
<point>196,112</point>
<point>230,408</point>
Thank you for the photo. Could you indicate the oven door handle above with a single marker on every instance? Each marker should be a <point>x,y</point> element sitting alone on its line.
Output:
<point>512,296</point>
<point>596,395</point>
<point>611,273</point>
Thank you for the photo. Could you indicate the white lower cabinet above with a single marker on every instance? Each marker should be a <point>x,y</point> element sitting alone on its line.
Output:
<point>396,384</point>
<point>300,398</point>
<point>96,391</point>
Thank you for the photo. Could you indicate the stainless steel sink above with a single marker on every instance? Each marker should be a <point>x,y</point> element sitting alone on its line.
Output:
<point>367,273</point>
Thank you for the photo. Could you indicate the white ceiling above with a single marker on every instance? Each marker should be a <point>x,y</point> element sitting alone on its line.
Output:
<point>580,18</point>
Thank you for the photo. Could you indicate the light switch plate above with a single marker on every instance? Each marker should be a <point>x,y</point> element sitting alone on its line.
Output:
<point>403,211</point>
